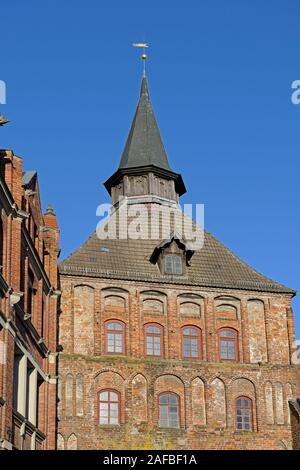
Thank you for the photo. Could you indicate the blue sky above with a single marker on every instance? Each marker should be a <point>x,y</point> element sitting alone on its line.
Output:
<point>220,77</point>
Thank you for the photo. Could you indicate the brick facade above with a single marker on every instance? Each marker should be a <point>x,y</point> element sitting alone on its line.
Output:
<point>28,311</point>
<point>128,377</point>
<point>206,388</point>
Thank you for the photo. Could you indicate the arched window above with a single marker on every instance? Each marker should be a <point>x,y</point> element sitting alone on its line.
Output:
<point>153,340</point>
<point>168,410</point>
<point>228,345</point>
<point>173,264</point>
<point>243,406</point>
<point>191,342</point>
<point>109,407</point>
<point>114,337</point>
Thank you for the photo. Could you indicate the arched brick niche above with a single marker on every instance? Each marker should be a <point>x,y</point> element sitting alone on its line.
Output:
<point>153,304</point>
<point>72,442</point>
<point>139,394</point>
<point>256,322</point>
<point>269,403</point>
<point>109,380</point>
<point>84,307</point>
<point>227,311</point>
<point>169,383</point>
<point>190,308</point>
<point>190,305</point>
<point>114,301</point>
<point>198,402</point>
<point>242,387</point>
<point>217,412</point>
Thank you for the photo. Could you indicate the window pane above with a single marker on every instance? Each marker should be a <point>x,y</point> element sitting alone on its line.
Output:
<point>114,410</point>
<point>153,329</point>
<point>163,399</point>
<point>163,416</point>
<point>227,334</point>
<point>110,343</point>
<point>195,352</point>
<point>114,326</point>
<point>177,265</point>
<point>168,264</point>
<point>243,414</point>
<point>231,350</point>
<point>114,420</point>
<point>104,396</point>
<point>149,345</point>
<point>103,409</point>
<point>187,347</point>
<point>223,350</point>
<point>157,346</point>
<point>113,396</point>
<point>173,399</point>
<point>173,264</point>
<point>173,421</point>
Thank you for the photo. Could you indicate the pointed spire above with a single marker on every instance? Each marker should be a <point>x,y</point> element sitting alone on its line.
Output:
<point>144,154</point>
<point>49,210</point>
<point>144,88</point>
<point>144,145</point>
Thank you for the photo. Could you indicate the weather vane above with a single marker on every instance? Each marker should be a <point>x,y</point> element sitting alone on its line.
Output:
<point>144,56</point>
<point>3,120</point>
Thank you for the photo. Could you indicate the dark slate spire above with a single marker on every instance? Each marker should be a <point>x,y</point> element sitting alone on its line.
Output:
<point>144,154</point>
<point>144,145</point>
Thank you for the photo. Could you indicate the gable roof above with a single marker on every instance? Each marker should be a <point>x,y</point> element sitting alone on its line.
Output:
<point>212,266</point>
<point>27,177</point>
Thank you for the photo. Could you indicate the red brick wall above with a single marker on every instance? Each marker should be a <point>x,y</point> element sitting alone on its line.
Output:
<point>38,248</point>
<point>207,389</point>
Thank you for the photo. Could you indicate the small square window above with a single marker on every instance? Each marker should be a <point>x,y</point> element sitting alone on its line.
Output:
<point>173,264</point>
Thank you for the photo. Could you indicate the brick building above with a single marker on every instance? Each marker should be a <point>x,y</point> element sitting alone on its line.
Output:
<point>164,346</point>
<point>295,422</point>
<point>29,247</point>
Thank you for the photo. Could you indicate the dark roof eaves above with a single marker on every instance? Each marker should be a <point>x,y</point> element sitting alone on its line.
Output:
<point>92,272</point>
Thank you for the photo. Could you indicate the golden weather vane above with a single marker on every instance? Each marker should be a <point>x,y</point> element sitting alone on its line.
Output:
<point>144,56</point>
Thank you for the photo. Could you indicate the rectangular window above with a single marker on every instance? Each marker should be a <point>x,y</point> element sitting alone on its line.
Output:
<point>109,407</point>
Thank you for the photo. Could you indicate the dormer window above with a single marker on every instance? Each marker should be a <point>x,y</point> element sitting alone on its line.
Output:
<point>172,257</point>
<point>173,264</point>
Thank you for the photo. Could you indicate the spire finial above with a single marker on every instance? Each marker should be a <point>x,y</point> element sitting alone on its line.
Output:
<point>144,56</point>
<point>49,210</point>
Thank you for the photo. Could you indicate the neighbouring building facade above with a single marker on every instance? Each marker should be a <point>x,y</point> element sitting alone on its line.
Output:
<point>295,422</point>
<point>29,248</point>
<point>164,347</point>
